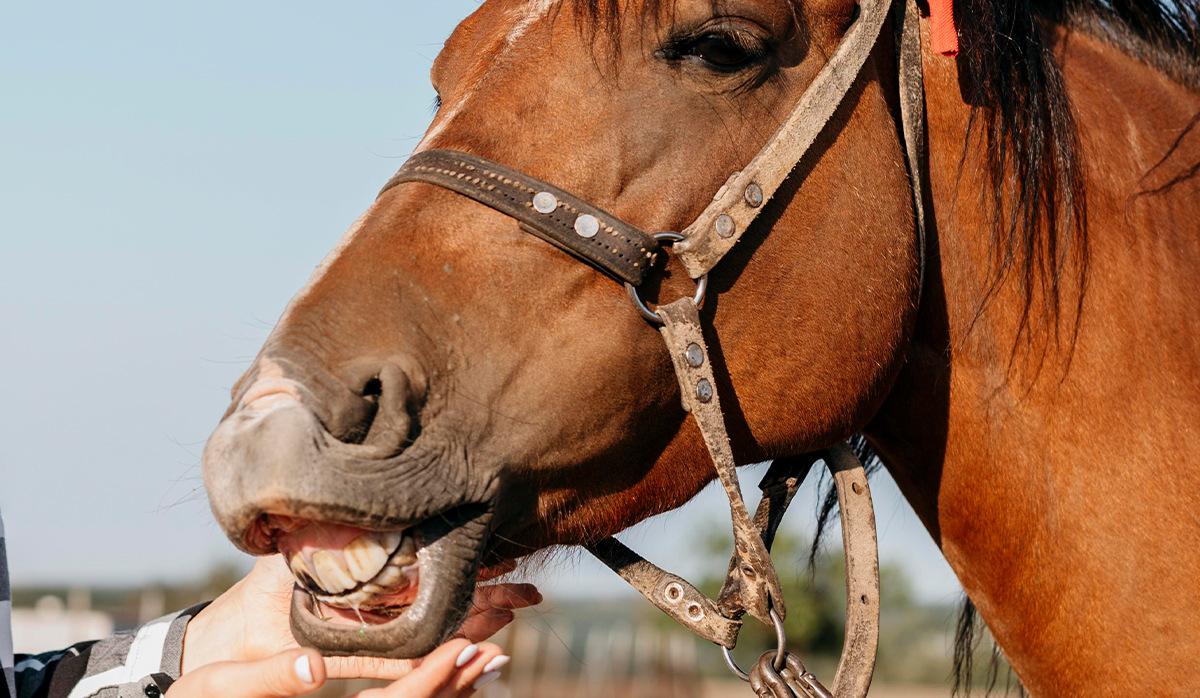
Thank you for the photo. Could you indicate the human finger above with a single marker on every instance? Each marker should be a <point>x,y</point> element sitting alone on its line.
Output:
<point>369,668</point>
<point>445,673</point>
<point>510,596</point>
<point>287,674</point>
<point>481,626</point>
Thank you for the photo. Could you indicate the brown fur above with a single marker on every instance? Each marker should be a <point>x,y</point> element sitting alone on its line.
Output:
<point>1066,500</point>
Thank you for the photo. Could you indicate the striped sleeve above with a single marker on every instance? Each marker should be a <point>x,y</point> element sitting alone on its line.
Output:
<point>6,642</point>
<point>140,662</point>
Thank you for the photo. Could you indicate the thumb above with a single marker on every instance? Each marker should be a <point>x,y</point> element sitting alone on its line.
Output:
<point>285,675</point>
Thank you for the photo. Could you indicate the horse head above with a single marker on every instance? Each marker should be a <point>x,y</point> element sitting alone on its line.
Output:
<point>448,393</point>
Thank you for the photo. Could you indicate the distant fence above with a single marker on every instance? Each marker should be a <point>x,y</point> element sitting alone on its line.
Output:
<point>586,659</point>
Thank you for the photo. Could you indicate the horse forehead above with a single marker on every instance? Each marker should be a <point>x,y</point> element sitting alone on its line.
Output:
<point>523,17</point>
<point>527,15</point>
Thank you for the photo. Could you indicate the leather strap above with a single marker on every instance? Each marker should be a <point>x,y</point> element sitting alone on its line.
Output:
<point>558,217</point>
<point>746,193</point>
<point>672,594</point>
<point>778,486</point>
<point>861,548</point>
<point>759,586</point>
<point>907,22</point>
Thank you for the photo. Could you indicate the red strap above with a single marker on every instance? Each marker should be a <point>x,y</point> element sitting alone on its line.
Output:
<point>941,21</point>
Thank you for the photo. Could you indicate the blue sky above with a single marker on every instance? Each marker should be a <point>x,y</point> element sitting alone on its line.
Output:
<point>170,173</point>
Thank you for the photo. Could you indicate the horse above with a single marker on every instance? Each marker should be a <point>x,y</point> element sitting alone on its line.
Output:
<point>448,395</point>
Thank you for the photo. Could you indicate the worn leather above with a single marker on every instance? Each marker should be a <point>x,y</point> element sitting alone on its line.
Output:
<point>857,664</point>
<point>778,486</point>
<point>907,22</point>
<point>702,247</point>
<point>672,594</point>
<point>760,589</point>
<point>618,248</point>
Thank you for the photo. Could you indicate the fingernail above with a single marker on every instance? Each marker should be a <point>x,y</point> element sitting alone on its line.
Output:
<point>486,679</point>
<point>497,662</point>
<point>466,655</point>
<point>303,668</point>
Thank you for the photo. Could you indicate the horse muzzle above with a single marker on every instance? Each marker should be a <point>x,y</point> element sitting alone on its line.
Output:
<point>385,551</point>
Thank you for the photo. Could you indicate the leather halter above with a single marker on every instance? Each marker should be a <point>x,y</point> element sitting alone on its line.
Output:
<point>626,253</point>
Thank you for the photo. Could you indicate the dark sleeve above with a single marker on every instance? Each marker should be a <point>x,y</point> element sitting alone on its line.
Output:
<point>37,674</point>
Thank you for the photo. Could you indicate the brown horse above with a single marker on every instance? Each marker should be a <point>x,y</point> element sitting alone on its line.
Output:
<point>455,394</point>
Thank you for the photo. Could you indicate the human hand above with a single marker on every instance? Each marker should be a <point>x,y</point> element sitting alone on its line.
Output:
<point>250,623</point>
<point>453,670</point>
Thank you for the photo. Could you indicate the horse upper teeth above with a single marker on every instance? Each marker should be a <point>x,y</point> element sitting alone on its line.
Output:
<point>407,553</point>
<point>364,558</point>
<point>391,540</point>
<point>299,569</point>
<point>330,574</point>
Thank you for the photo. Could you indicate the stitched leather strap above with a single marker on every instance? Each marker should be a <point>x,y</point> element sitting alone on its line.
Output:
<point>558,217</point>
<point>746,193</point>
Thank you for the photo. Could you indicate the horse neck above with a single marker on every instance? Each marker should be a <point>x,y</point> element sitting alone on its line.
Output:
<point>1061,480</point>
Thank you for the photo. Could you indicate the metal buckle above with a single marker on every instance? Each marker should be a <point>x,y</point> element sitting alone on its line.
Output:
<point>650,315</point>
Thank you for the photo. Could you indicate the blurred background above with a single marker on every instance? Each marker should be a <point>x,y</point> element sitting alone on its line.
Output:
<point>170,174</point>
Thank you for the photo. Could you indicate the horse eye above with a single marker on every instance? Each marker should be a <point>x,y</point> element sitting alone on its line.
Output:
<point>722,51</point>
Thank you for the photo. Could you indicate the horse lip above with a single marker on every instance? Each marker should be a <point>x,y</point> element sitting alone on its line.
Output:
<point>455,546</point>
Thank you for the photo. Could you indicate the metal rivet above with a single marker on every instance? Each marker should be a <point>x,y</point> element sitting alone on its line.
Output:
<point>695,612</point>
<point>544,202</point>
<point>754,195</point>
<point>587,226</point>
<point>704,391</point>
<point>724,225</point>
<point>695,355</point>
<point>674,592</point>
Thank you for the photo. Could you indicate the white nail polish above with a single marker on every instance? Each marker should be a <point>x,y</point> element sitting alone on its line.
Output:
<point>466,655</point>
<point>485,679</point>
<point>497,662</point>
<point>303,669</point>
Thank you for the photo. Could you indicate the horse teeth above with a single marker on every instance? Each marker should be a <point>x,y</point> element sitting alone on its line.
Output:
<point>330,574</point>
<point>407,554</point>
<point>364,558</point>
<point>391,540</point>
<point>389,577</point>
<point>300,570</point>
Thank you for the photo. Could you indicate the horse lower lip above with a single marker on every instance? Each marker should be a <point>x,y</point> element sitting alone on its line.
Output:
<point>452,545</point>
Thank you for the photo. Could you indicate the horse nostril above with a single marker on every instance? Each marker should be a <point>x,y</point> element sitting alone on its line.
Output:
<point>387,420</point>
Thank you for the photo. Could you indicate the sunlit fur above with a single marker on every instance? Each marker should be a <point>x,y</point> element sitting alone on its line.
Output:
<point>1055,467</point>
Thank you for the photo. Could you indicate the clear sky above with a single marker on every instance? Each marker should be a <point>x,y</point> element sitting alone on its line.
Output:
<point>170,173</point>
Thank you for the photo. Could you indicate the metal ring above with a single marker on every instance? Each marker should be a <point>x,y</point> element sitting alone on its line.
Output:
<point>651,316</point>
<point>780,650</point>
<point>780,641</point>
<point>733,665</point>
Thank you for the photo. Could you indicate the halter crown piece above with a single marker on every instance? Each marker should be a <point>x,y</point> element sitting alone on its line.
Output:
<point>626,253</point>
